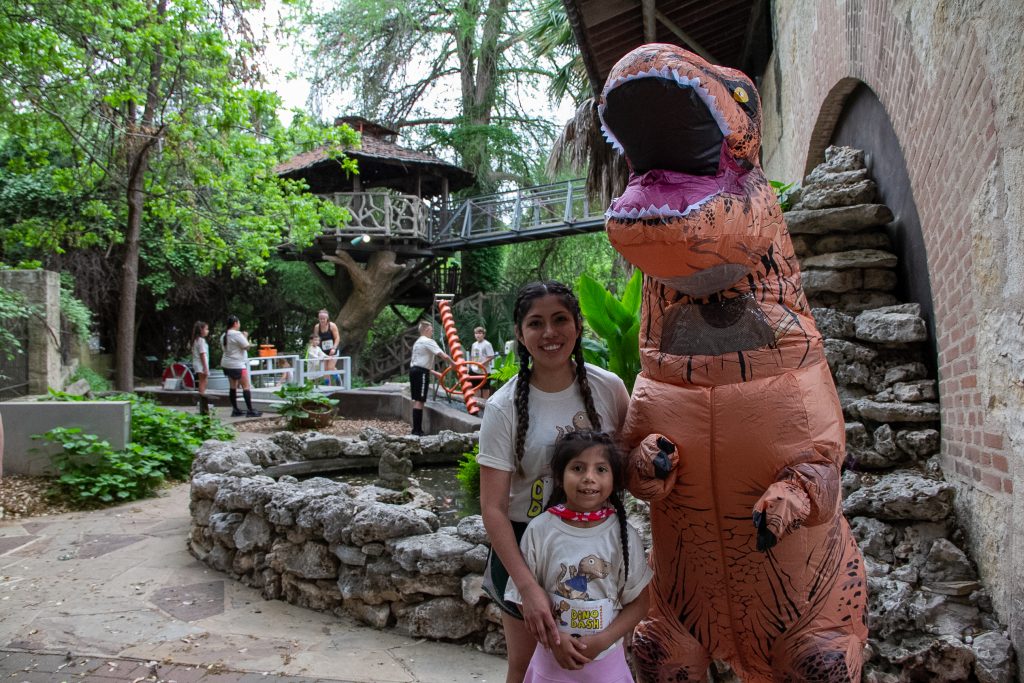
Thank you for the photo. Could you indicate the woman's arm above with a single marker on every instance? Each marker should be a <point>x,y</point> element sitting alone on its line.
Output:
<point>536,608</point>
<point>336,336</point>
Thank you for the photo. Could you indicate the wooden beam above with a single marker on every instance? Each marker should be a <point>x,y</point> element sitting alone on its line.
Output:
<point>682,35</point>
<point>650,20</point>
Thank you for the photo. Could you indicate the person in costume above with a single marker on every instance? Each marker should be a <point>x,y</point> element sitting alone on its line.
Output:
<point>591,563</point>
<point>554,393</point>
<point>735,427</point>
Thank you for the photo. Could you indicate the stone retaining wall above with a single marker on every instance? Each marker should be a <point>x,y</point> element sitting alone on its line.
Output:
<point>377,554</point>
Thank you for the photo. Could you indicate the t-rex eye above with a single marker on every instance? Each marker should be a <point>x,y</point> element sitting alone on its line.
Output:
<point>740,95</point>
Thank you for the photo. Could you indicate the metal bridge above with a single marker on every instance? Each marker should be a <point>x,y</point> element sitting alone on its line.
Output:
<point>414,227</point>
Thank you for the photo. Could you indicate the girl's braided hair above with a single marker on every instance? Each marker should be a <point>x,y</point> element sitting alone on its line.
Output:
<point>524,302</point>
<point>569,447</point>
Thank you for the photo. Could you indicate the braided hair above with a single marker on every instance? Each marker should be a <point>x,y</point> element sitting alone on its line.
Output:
<point>569,447</point>
<point>528,294</point>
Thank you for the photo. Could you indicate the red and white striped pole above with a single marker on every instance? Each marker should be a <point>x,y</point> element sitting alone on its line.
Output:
<point>444,307</point>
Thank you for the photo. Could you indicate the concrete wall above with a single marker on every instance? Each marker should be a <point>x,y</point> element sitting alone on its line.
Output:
<point>41,288</point>
<point>110,420</point>
<point>948,76</point>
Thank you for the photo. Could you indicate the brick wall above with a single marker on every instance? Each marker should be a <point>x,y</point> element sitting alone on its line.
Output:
<point>947,74</point>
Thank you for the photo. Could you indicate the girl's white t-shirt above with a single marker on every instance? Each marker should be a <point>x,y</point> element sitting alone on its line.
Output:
<point>552,415</point>
<point>235,345</point>
<point>199,349</point>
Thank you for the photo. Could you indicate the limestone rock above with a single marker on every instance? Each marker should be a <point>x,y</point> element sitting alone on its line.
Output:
<point>441,619</point>
<point>314,595</point>
<point>993,658</point>
<point>918,443</point>
<point>254,532</point>
<point>335,516</point>
<point>815,281</point>
<point>902,496</point>
<point>946,562</point>
<point>874,537</point>
<point>838,159</point>
<point>350,555</point>
<point>318,446</point>
<point>223,526</point>
<point>430,553</point>
<point>946,659</point>
<point>820,196</point>
<point>416,584</point>
<point>858,302</point>
<point>860,240</point>
<point>891,325</point>
<point>896,411</point>
<point>912,392</point>
<point>857,258</point>
<point>476,559</point>
<point>905,372</point>
<point>832,323</point>
<point>880,279</point>
<point>380,522</point>
<point>472,588</point>
<point>309,561</point>
<point>839,352</point>
<point>843,219</point>
<point>377,616</point>
<point>819,177</point>
<point>472,529</point>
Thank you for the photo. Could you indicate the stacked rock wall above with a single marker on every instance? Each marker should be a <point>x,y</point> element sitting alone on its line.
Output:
<point>377,554</point>
<point>930,618</point>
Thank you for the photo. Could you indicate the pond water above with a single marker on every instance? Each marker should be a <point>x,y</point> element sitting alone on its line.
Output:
<point>450,504</point>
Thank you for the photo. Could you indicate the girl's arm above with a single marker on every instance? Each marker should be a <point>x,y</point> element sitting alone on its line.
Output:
<point>536,607</point>
<point>622,625</point>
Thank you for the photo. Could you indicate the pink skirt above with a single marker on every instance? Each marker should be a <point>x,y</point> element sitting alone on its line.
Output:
<point>612,668</point>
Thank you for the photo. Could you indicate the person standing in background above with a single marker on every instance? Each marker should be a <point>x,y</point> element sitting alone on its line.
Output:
<point>483,353</point>
<point>236,366</point>
<point>330,339</point>
<point>424,352</point>
<point>201,362</point>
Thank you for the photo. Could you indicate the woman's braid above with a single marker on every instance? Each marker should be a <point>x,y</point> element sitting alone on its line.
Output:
<point>522,404</point>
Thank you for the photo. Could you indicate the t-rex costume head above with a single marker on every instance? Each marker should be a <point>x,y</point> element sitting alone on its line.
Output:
<point>754,562</point>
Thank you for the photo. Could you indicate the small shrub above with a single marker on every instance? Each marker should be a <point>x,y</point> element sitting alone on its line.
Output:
<point>97,383</point>
<point>297,400</point>
<point>469,480</point>
<point>93,473</point>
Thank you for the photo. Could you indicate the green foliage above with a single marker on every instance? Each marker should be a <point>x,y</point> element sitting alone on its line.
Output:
<point>172,433</point>
<point>561,259</point>
<point>784,192</point>
<point>13,307</point>
<point>297,401</point>
<point>616,322</point>
<point>505,368</point>
<point>482,269</point>
<point>93,473</point>
<point>97,384</point>
<point>72,310</point>
<point>469,480</point>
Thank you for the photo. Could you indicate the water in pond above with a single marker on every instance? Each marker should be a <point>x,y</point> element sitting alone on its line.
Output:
<point>439,481</point>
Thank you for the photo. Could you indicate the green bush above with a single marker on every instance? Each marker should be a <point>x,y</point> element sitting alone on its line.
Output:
<point>93,473</point>
<point>616,322</point>
<point>296,401</point>
<point>97,383</point>
<point>174,433</point>
<point>469,480</point>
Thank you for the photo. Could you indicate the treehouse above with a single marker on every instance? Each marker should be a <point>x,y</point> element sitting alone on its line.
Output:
<point>397,198</point>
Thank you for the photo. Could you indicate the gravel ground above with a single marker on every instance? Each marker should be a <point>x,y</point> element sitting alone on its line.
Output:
<point>22,496</point>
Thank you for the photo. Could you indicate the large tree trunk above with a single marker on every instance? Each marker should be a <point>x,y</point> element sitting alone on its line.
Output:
<point>372,287</point>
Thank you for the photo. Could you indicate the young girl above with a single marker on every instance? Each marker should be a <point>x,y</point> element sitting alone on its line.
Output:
<point>201,362</point>
<point>554,393</point>
<point>590,561</point>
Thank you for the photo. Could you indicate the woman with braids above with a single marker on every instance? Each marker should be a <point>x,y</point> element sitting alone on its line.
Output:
<point>554,393</point>
<point>591,564</point>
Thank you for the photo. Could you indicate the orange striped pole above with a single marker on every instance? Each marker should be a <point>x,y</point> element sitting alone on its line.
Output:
<point>444,307</point>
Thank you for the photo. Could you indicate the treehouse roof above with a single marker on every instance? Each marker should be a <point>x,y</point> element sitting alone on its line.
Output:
<point>382,163</point>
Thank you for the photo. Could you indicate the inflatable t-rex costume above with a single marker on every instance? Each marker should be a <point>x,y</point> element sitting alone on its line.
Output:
<point>754,562</point>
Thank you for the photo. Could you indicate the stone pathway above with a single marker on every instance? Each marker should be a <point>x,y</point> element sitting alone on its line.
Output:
<point>98,596</point>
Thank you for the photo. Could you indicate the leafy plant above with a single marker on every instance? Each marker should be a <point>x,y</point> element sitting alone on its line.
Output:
<point>96,382</point>
<point>13,307</point>
<point>469,480</point>
<point>298,401</point>
<point>505,368</point>
<point>91,472</point>
<point>784,192</point>
<point>616,322</point>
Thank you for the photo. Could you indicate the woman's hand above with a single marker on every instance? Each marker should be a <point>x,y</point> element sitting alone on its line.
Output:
<point>537,614</point>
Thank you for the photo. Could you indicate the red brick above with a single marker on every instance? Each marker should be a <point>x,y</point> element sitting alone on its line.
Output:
<point>975,474</point>
<point>968,381</point>
<point>1008,485</point>
<point>994,441</point>
<point>992,482</point>
<point>1000,462</point>
<point>963,469</point>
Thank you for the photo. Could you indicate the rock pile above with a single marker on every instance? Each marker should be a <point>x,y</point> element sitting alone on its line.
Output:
<point>378,554</point>
<point>930,618</point>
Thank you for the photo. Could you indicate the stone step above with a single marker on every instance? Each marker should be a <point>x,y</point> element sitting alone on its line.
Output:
<point>841,219</point>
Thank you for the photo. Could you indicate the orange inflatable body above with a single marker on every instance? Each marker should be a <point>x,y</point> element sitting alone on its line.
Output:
<point>754,561</point>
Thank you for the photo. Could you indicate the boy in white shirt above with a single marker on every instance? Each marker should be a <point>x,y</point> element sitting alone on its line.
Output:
<point>483,353</point>
<point>424,352</point>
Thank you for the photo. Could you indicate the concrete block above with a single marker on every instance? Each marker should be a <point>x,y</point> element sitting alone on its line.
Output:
<point>110,420</point>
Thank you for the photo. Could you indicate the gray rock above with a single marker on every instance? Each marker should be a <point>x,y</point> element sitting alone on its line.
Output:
<point>945,659</point>
<point>473,588</point>
<point>839,352</point>
<point>79,388</point>
<point>441,619</point>
<point>350,555</point>
<point>221,558</point>
<point>838,159</point>
<point>843,219</point>
<point>253,533</point>
<point>913,392</point>
<point>472,529</point>
<point>377,616</point>
<point>821,196</point>
<point>321,596</point>
<point>884,443</point>
<point>200,511</point>
<point>494,643</point>
<point>874,537</point>
<point>993,658</point>
<point>354,448</point>
<point>891,325</point>
<point>414,584</point>
<point>335,517</point>
<point>476,559</point>
<point>819,177</point>
<point>857,258</point>
<point>832,323</point>
<point>206,485</point>
<point>880,280</point>
<point>290,443</point>
<point>918,443</point>
<point>855,373</point>
<point>263,452</point>
<point>801,247</point>
<point>902,496</point>
<point>858,302</point>
<point>309,561</point>
<point>946,562</point>
<point>380,522</point>
<point>905,372</point>
<point>223,526</point>
<point>861,240</point>
<point>851,482</point>
<point>890,604</point>
<point>897,411</point>
<point>815,281</point>
<point>319,446</point>
<point>430,553</point>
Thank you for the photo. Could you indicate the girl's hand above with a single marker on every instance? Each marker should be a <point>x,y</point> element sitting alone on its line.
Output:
<point>540,623</point>
<point>594,644</point>
<point>571,653</point>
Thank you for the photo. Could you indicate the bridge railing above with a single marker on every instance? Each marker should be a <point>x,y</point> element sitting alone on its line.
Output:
<point>383,214</point>
<point>531,208</point>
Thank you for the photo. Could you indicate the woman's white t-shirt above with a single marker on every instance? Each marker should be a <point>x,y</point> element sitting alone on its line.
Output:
<point>552,415</point>
<point>235,345</point>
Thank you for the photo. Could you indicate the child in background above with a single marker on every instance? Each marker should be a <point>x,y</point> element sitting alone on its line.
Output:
<point>591,564</point>
<point>201,363</point>
<point>317,357</point>
<point>483,353</point>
